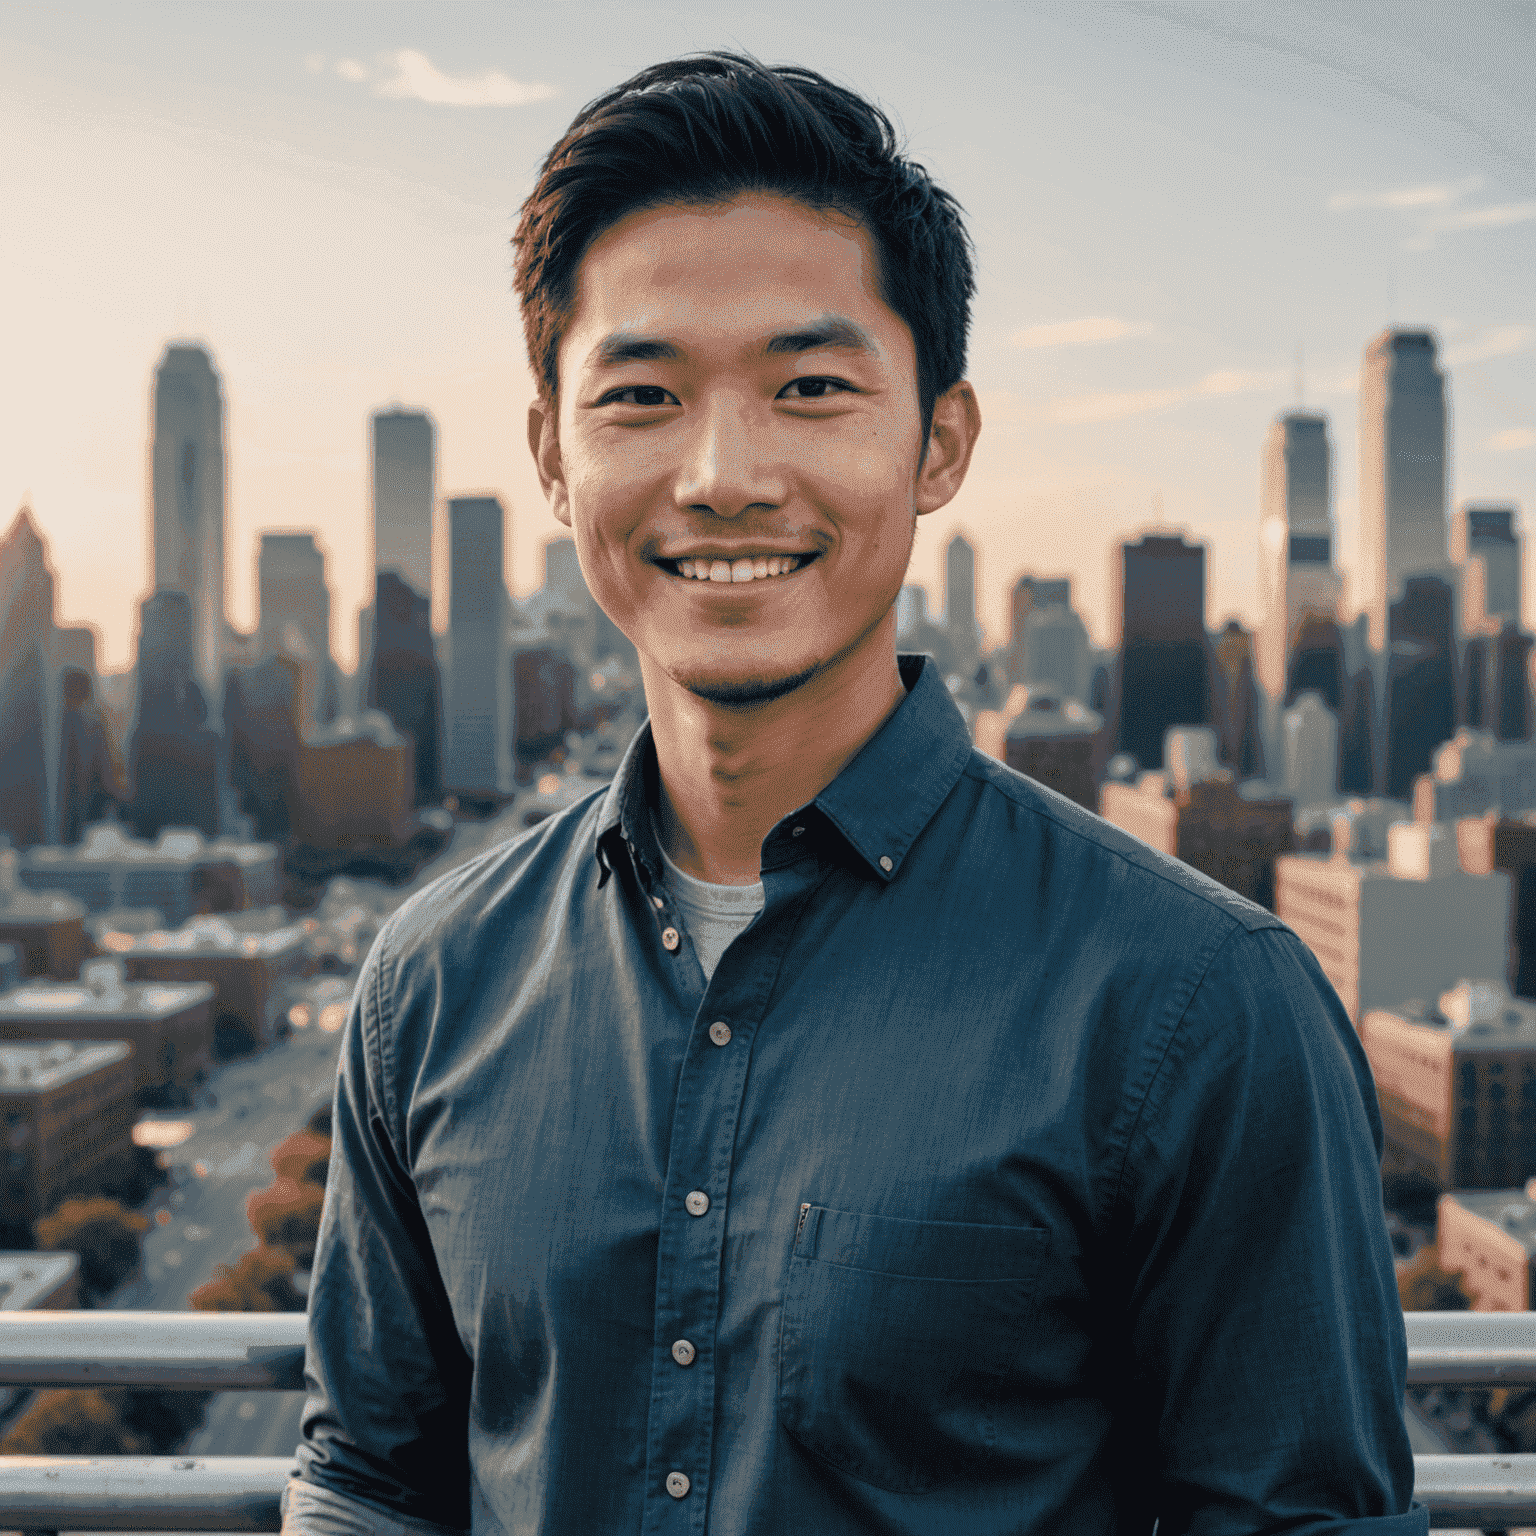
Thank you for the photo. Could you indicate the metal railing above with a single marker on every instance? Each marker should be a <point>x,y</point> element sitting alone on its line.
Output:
<point>241,1351</point>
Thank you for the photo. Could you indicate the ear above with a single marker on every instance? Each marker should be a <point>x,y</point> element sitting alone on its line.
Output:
<point>951,440</point>
<point>544,445</point>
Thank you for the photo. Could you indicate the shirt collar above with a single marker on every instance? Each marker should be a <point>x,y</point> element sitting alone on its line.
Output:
<point>880,801</point>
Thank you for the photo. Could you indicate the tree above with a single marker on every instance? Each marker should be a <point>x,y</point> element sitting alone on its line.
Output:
<point>259,1281</point>
<point>1424,1287</point>
<point>286,1214</point>
<point>104,1232</point>
<point>302,1157</point>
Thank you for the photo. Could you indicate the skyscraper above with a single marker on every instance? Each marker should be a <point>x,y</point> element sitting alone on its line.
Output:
<point>187,488</point>
<point>292,595</point>
<point>479,756</point>
<point>1402,470</point>
<point>404,493</point>
<point>1164,675</point>
<point>1486,533</point>
<point>28,688</point>
<point>1297,578</point>
<point>960,624</point>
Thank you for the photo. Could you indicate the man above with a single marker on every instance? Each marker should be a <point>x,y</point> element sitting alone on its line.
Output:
<point>824,1130</point>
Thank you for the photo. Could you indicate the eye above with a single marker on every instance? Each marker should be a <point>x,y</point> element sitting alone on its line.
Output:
<point>816,387</point>
<point>639,394</point>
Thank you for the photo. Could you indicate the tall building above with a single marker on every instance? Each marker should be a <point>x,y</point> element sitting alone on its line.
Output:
<point>1485,536</point>
<point>479,724</point>
<point>1297,577</point>
<point>960,602</point>
<point>29,702</point>
<point>1403,470</point>
<point>188,488</point>
<point>292,595</point>
<point>404,493</point>
<point>1164,661</point>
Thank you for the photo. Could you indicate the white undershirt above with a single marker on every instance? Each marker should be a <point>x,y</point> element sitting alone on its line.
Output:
<point>712,914</point>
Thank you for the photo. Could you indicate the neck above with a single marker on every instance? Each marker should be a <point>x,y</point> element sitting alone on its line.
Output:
<point>728,775</point>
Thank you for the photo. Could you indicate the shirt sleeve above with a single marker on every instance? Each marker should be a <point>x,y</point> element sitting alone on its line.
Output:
<point>1265,1332</point>
<point>386,1421</point>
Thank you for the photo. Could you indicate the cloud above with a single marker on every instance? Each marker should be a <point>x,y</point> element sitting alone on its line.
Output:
<point>1501,341</point>
<point>1512,439</point>
<point>1429,194</point>
<point>314,63</point>
<point>409,75</point>
<point>1076,410</point>
<point>1500,216</point>
<point>1088,331</point>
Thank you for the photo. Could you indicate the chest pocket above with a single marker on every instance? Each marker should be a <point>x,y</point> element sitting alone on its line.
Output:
<point>897,1339</point>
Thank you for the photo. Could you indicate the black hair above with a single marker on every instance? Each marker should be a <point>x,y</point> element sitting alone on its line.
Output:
<point>710,127</point>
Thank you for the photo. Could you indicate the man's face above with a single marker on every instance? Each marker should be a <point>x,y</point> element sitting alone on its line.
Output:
<point>738,441</point>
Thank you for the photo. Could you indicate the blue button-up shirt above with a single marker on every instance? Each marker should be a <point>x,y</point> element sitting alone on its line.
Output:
<point>1031,1185</point>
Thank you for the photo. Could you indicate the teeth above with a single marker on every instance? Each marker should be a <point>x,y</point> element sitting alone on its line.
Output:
<point>748,568</point>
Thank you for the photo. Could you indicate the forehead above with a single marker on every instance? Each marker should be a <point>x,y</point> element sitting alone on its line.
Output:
<point>744,266</point>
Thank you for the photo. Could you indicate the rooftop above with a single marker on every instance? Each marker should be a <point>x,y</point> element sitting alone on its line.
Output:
<point>35,1066</point>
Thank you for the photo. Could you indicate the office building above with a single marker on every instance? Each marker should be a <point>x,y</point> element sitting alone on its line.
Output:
<point>544,694</point>
<point>405,682</point>
<point>356,786</point>
<point>1488,842</point>
<point>295,616</point>
<point>1310,735</point>
<point>1193,811</point>
<point>1040,732</point>
<point>1164,667</point>
<point>68,1108</point>
<point>1456,1078</point>
<point>1403,471</point>
<point>1472,774</point>
<point>187,479</point>
<point>1384,930</point>
<point>244,965</point>
<point>1486,544</point>
<point>1048,642</point>
<point>1488,1238</point>
<point>478,759</point>
<point>38,1282</point>
<point>404,494</point>
<point>29,695</point>
<point>1421,679</point>
<point>168,1027</point>
<point>960,622</point>
<point>46,930</point>
<point>1297,576</point>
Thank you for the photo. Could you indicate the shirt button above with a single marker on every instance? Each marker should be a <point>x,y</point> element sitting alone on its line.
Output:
<point>683,1352</point>
<point>697,1202</point>
<point>885,863</point>
<point>657,902</point>
<point>797,832</point>
<point>678,1484</point>
<point>669,938</point>
<point>720,1032</point>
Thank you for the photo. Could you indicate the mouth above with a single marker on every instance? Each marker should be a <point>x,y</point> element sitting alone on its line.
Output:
<point>736,572</point>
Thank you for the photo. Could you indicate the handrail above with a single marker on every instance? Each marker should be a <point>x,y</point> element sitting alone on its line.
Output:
<point>214,1351</point>
<point>265,1351</point>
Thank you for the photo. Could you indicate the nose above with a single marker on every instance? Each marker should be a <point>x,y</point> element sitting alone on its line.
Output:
<point>729,464</point>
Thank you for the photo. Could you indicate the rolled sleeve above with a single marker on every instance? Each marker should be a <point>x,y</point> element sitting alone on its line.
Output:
<point>1266,1332</point>
<point>388,1377</point>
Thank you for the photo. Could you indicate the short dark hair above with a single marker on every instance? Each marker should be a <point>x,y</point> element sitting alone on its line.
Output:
<point>712,126</point>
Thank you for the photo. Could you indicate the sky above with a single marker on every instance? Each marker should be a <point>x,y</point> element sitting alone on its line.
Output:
<point>1189,216</point>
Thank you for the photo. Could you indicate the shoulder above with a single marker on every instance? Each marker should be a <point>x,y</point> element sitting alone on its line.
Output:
<point>1058,834</point>
<point>451,915</point>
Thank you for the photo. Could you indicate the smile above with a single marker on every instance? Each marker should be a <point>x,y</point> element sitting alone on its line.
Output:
<point>747,568</point>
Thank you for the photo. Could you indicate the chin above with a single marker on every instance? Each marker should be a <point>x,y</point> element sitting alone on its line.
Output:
<point>746,692</point>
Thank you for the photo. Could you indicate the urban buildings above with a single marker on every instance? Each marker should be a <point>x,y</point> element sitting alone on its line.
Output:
<point>294,616</point>
<point>1484,539</point>
<point>960,623</point>
<point>1488,1238</point>
<point>1164,673</point>
<point>68,1111</point>
<point>1048,736</point>
<point>1402,471</point>
<point>356,785</point>
<point>187,479</point>
<point>479,755</point>
<point>1194,812</point>
<point>1048,642</point>
<point>28,686</point>
<point>1407,926</point>
<point>1457,1085</point>
<point>404,494</point>
<point>1297,575</point>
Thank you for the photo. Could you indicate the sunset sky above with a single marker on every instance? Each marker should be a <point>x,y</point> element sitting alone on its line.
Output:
<point>1169,200</point>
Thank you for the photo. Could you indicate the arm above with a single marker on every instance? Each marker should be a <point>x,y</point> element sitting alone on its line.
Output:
<point>386,1423</point>
<point>1260,1301</point>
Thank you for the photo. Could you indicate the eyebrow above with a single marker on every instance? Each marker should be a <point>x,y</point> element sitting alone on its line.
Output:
<point>834,331</point>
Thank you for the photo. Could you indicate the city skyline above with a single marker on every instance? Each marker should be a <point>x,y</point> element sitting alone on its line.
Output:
<point>1165,207</point>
